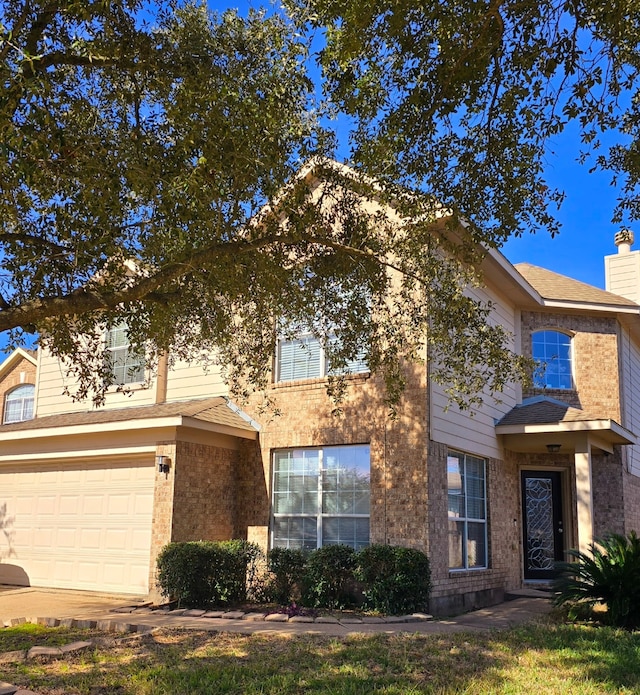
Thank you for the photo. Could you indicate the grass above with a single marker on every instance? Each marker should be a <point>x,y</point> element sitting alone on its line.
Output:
<point>544,657</point>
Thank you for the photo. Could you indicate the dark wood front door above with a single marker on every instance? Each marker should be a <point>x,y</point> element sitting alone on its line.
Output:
<point>543,527</point>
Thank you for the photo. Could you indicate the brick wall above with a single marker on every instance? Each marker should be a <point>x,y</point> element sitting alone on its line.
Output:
<point>205,493</point>
<point>308,418</point>
<point>162,521</point>
<point>595,360</point>
<point>631,492</point>
<point>608,495</point>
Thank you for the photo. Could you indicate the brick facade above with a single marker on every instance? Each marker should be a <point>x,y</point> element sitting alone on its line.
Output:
<point>308,418</point>
<point>216,493</point>
<point>595,360</point>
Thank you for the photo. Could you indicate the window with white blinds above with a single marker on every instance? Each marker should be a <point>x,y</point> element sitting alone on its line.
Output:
<point>18,404</point>
<point>321,497</point>
<point>304,358</point>
<point>126,364</point>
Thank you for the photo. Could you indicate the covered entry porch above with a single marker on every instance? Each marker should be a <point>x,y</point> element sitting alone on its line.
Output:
<point>570,468</point>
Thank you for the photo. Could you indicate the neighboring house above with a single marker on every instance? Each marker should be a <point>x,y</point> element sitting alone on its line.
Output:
<point>494,496</point>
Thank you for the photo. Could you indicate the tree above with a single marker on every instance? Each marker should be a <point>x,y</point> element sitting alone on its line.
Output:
<point>463,99</point>
<point>151,174</point>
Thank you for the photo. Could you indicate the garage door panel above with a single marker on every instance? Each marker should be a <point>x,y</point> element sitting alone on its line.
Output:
<point>141,539</point>
<point>67,539</point>
<point>88,527</point>
<point>69,504</point>
<point>93,505</point>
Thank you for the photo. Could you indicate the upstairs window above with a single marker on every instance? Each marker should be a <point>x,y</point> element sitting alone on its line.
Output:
<point>18,404</point>
<point>305,358</point>
<point>552,353</point>
<point>127,365</point>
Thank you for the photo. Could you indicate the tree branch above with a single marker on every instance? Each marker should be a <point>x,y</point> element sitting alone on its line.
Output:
<point>84,300</point>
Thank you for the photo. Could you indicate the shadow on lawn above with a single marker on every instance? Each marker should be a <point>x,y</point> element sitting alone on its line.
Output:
<point>555,659</point>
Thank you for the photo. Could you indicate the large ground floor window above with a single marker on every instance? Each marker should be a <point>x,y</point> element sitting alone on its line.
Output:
<point>466,483</point>
<point>321,497</point>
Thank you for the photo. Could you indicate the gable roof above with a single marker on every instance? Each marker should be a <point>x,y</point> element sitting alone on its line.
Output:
<point>558,287</point>
<point>15,357</point>
<point>217,411</point>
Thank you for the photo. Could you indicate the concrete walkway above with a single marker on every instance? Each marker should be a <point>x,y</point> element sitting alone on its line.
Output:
<point>122,613</point>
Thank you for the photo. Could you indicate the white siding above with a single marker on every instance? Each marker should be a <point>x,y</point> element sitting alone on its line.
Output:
<point>622,274</point>
<point>51,399</point>
<point>473,431</point>
<point>630,360</point>
<point>194,380</point>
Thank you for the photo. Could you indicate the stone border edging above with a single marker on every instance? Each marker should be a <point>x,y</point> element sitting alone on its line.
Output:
<point>119,626</point>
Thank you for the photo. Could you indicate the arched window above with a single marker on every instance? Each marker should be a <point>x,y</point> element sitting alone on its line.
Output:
<point>552,353</point>
<point>18,404</point>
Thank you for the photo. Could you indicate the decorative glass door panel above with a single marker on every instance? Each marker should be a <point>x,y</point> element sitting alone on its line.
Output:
<point>542,523</point>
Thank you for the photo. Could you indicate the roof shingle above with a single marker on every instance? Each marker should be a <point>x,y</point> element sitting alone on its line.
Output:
<point>554,286</point>
<point>215,410</point>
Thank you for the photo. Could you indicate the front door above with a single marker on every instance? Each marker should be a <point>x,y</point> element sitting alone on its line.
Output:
<point>542,523</point>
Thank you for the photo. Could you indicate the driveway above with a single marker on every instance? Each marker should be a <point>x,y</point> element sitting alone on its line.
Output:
<point>33,602</point>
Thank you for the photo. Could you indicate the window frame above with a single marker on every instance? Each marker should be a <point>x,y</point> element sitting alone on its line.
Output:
<point>318,514</point>
<point>138,363</point>
<point>539,375</point>
<point>24,401</point>
<point>357,366</point>
<point>465,519</point>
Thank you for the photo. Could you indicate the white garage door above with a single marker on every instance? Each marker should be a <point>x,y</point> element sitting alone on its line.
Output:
<point>81,527</point>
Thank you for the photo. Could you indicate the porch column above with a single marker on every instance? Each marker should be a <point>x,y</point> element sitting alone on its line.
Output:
<point>584,493</point>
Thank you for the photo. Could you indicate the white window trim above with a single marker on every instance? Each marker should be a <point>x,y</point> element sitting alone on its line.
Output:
<point>466,519</point>
<point>23,400</point>
<point>127,385</point>
<point>319,515</point>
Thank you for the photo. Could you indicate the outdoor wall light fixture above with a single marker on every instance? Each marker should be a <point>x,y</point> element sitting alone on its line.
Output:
<point>163,463</point>
<point>553,448</point>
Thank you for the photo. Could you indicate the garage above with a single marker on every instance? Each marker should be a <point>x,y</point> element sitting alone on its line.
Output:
<point>77,525</point>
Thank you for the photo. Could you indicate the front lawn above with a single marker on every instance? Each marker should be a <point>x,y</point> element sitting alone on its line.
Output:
<point>538,658</point>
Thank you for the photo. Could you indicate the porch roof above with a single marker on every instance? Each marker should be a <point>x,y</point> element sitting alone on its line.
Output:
<point>218,414</point>
<point>538,422</point>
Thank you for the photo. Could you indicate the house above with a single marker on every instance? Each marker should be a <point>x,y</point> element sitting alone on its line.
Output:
<point>494,496</point>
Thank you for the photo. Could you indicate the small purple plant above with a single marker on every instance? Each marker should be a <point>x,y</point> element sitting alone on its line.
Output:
<point>294,609</point>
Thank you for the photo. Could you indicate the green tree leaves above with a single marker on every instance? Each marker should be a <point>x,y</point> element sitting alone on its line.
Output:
<point>152,172</point>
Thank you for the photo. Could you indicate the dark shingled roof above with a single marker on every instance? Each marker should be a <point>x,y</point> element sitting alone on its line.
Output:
<point>214,410</point>
<point>552,285</point>
<point>545,411</point>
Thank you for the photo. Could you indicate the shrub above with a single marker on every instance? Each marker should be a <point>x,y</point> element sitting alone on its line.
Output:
<point>394,580</point>
<point>202,574</point>
<point>287,566</point>
<point>329,580</point>
<point>609,574</point>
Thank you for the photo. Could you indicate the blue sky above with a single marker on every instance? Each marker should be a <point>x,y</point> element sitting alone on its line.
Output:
<point>587,232</point>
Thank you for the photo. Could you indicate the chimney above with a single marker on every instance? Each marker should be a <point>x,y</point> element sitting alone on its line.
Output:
<point>622,270</point>
<point>623,240</point>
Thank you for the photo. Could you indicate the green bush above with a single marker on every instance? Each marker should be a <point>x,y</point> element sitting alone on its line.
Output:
<point>394,580</point>
<point>329,580</point>
<point>203,574</point>
<point>287,567</point>
<point>609,574</point>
